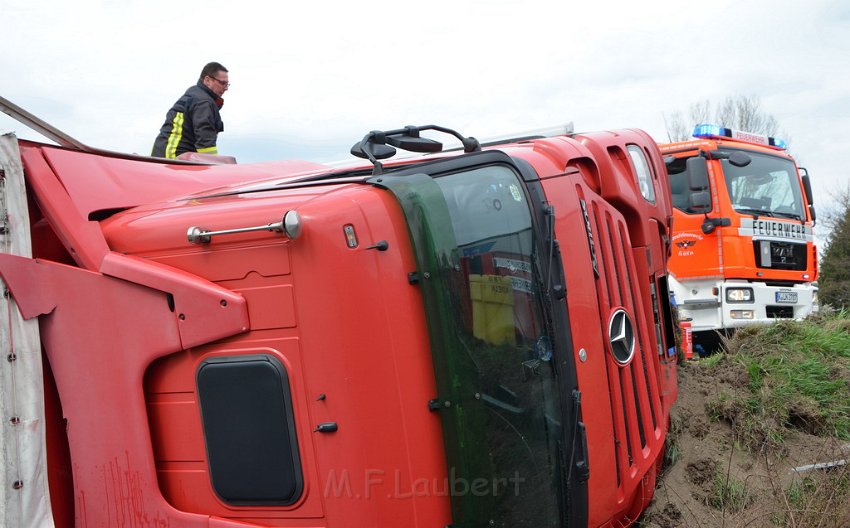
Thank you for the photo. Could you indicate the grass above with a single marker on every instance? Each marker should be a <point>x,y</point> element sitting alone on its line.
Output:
<point>774,386</point>
<point>816,500</point>
<point>728,493</point>
<point>672,451</point>
<point>788,375</point>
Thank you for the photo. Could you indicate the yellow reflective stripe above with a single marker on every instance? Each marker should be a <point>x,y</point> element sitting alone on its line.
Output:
<point>175,136</point>
<point>209,150</point>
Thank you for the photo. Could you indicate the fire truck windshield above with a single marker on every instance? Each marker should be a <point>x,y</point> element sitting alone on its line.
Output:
<point>768,186</point>
<point>491,344</point>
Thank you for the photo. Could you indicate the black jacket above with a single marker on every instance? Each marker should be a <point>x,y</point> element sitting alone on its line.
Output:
<point>192,124</point>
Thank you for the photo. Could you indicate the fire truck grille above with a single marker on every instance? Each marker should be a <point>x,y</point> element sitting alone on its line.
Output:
<point>779,312</point>
<point>780,255</point>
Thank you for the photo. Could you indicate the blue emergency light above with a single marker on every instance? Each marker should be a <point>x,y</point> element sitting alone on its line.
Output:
<point>711,131</point>
<point>778,143</point>
<point>719,132</point>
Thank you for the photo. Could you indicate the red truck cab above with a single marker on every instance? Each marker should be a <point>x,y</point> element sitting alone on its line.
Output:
<point>470,338</point>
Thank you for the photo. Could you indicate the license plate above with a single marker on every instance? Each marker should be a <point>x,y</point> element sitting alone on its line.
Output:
<point>786,297</point>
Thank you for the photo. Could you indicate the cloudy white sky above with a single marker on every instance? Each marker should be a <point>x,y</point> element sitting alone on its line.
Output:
<point>310,78</point>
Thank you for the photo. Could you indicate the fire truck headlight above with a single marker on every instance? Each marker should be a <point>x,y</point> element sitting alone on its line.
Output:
<point>739,295</point>
<point>742,314</point>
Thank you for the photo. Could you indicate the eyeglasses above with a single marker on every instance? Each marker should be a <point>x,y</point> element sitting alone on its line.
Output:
<point>226,84</point>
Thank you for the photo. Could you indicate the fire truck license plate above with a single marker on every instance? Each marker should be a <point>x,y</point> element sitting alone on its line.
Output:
<point>786,297</point>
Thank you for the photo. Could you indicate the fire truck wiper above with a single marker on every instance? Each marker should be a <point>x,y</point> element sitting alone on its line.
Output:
<point>762,212</point>
<point>755,212</point>
<point>794,216</point>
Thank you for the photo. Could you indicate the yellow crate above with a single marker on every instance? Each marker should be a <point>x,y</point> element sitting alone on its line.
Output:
<point>492,308</point>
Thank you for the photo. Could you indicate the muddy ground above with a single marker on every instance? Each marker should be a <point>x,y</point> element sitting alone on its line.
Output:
<point>763,488</point>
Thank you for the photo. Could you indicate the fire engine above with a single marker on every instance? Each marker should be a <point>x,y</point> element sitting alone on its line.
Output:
<point>468,337</point>
<point>743,248</point>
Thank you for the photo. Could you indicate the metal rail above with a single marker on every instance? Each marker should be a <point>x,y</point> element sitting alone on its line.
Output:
<point>39,125</point>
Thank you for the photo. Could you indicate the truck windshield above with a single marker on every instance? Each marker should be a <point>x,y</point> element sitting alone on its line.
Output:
<point>768,186</point>
<point>491,345</point>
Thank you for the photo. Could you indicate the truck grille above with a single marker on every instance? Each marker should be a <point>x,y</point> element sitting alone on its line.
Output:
<point>780,255</point>
<point>779,312</point>
<point>635,399</point>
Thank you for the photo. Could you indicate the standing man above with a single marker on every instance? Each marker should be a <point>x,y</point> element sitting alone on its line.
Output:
<point>193,123</point>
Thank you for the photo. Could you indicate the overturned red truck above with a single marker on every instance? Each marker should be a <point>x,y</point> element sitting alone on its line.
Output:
<point>476,337</point>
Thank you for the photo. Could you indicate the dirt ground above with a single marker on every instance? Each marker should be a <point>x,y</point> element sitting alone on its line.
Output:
<point>764,488</point>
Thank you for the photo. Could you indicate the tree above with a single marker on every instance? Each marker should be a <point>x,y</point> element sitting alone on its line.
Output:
<point>676,128</point>
<point>834,278</point>
<point>742,112</point>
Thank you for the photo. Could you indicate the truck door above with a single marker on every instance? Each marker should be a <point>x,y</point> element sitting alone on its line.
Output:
<point>695,253</point>
<point>500,343</point>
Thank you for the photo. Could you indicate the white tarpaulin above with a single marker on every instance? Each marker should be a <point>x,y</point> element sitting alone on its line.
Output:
<point>24,500</point>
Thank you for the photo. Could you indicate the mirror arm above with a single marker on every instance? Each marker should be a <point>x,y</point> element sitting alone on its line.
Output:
<point>379,137</point>
<point>711,224</point>
<point>470,144</point>
<point>375,136</point>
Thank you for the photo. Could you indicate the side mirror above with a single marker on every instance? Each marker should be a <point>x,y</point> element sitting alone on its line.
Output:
<point>699,202</point>
<point>739,159</point>
<point>414,144</point>
<point>697,168</point>
<point>736,157</point>
<point>711,224</point>
<point>807,187</point>
<point>379,150</point>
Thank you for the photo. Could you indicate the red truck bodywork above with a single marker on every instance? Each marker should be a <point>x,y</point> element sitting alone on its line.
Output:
<point>136,323</point>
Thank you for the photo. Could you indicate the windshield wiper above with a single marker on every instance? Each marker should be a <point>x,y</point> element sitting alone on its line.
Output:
<point>795,216</point>
<point>762,212</point>
<point>755,212</point>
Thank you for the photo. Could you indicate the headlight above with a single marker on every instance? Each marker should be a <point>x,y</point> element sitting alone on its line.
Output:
<point>742,314</point>
<point>739,295</point>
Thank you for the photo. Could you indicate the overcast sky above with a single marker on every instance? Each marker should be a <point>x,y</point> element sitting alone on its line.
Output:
<point>311,78</point>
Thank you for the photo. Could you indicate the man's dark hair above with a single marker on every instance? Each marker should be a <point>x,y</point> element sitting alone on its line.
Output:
<point>211,69</point>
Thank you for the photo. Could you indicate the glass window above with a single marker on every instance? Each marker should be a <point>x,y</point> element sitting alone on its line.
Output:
<point>487,208</point>
<point>767,186</point>
<point>680,193</point>
<point>492,345</point>
<point>643,173</point>
<point>505,339</point>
